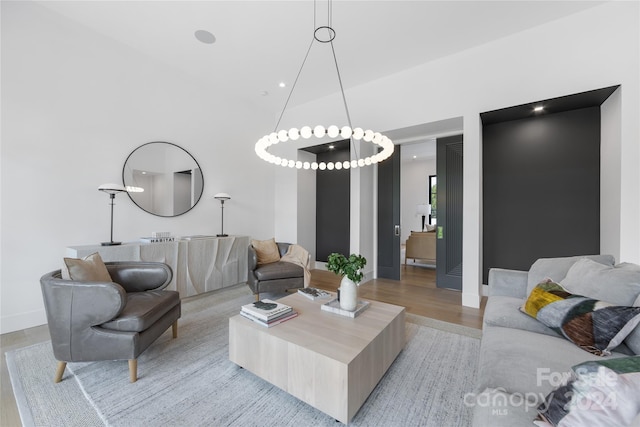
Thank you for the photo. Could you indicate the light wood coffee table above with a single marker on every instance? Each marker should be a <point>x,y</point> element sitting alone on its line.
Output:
<point>329,361</point>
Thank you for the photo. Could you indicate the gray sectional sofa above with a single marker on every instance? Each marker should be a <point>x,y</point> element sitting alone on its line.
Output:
<point>521,360</point>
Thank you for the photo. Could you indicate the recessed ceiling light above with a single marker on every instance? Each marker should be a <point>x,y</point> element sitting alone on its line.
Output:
<point>415,157</point>
<point>538,108</point>
<point>264,93</point>
<point>205,36</point>
<point>282,84</point>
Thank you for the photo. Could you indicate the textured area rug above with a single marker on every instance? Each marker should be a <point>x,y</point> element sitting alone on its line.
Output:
<point>189,381</point>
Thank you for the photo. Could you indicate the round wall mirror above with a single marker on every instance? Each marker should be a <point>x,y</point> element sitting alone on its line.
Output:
<point>163,179</point>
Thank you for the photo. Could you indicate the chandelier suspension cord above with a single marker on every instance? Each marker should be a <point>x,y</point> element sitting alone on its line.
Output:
<point>344,98</point>
<point>333,131</point>
<point>294,85</point>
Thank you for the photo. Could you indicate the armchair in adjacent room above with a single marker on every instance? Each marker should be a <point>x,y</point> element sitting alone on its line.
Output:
<point>114,318</point>
<point>271,273</point>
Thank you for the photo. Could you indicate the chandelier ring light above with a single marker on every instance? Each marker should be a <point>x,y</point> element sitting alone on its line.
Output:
<point>320,131</point>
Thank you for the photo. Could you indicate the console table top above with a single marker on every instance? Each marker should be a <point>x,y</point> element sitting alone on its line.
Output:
<point>177,240</point>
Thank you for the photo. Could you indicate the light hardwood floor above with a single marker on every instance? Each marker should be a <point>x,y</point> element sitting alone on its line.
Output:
<point>416,291</point>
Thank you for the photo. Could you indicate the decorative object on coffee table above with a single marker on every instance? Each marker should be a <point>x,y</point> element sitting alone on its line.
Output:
<point>351,271</point>
<point>333,306</point>
<point>112,190</point>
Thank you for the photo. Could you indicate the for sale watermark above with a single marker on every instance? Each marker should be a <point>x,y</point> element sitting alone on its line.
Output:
<point>584,388</point>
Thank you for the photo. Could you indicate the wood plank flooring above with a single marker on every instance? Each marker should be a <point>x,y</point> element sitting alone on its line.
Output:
<point>416,291</point>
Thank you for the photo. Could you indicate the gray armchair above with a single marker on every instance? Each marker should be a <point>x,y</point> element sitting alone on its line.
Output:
<point>273,277</point>
<point>91,321</point>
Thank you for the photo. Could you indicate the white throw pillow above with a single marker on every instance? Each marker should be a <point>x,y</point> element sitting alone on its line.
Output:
<point>619,284</point>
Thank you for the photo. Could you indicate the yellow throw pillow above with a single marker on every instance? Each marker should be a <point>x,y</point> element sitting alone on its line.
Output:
<point>88,269</point>
<point>266,251</point>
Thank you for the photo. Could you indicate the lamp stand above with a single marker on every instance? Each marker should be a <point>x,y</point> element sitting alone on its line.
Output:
<point>112,196</point>
<point>222,218</point>
<point>423,217</point>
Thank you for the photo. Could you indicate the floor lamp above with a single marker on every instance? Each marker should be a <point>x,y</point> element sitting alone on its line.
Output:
<point>222,197</point>
<point>423,210</point>
<point>112,190</point>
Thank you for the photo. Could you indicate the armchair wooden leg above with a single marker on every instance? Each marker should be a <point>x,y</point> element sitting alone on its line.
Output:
<point>133,370</point>
<point>257,297</point>
<point>59,371</point>
<point>174,329</point>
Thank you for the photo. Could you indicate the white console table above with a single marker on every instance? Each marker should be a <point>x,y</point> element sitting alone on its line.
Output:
<point>199,265</point>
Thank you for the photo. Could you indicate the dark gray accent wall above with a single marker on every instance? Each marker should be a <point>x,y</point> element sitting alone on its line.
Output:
<point>449,165</point>
<point>332,206</point>
<point>541,188</point>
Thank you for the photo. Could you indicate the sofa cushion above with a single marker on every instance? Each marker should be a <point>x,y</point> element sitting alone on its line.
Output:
<point>593,325</point>
<point>278,270</point>
<point>504,311</point>
<point>600,393</point>
<point>618,285</point>
<point>266,251</point>
<point>88,269</point>
<point>556,268</point>
<point>496,408</point>
<point>142,310</point>
<point>525,362</point>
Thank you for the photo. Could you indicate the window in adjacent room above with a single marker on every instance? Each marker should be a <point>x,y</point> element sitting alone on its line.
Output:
<point>432,198</point>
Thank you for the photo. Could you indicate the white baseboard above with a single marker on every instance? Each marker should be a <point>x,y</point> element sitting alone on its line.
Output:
<point>485,290</point>
<point>21,321</point>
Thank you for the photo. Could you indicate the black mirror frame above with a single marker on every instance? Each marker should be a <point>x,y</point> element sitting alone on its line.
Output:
<point>177,146</point>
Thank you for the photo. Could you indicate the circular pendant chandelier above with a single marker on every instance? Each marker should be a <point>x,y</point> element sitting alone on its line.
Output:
<point>320,131</point>
<point>324,34</point>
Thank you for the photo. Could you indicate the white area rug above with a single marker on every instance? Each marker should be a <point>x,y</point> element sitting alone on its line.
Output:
<point>189,381</point>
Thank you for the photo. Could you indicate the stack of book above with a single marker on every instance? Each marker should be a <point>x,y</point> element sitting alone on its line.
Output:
<point>267,312</point>
<point>314,293</point>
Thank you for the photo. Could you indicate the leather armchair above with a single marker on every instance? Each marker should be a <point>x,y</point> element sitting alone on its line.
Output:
<point>273,277</point>
<point>92,321</point>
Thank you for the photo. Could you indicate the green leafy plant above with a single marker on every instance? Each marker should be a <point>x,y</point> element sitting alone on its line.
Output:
<point>350,267</point>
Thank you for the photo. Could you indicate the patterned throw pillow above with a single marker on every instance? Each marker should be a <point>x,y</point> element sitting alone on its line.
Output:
<point>600,393</point>
<point>593,325</point>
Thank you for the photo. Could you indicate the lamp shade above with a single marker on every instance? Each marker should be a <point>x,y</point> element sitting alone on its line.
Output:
<point>222,196</point>
<point>112,188</point>
<point>423,209</point>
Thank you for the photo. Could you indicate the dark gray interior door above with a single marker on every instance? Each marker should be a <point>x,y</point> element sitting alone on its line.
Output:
<point>389,217</point>
<point>449,227</point>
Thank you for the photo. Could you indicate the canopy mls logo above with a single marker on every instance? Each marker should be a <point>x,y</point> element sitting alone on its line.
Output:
<point>582,389</point>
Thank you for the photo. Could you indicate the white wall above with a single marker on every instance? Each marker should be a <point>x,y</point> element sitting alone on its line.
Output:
<point>74,105</point>
<point>414,191</point>
<point>364,212</point>
<point>307,207</point>
<point>593,49</point>
<point>610,176</point>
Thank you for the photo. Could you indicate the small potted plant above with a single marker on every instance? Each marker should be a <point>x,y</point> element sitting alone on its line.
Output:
<point>351,271</point>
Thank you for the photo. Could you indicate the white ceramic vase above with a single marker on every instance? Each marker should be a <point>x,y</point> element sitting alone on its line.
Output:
<point>348,294</point>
